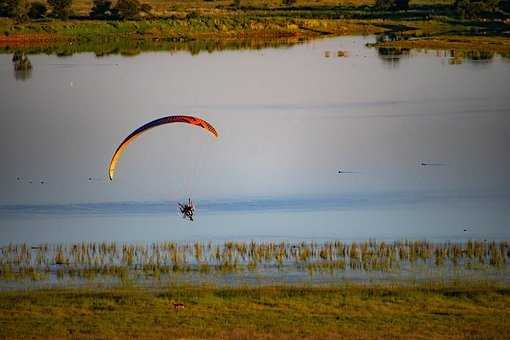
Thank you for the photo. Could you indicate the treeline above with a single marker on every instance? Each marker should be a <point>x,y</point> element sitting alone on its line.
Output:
<point>23,10</point>
<point>469,9</point>
<point>481,8</point>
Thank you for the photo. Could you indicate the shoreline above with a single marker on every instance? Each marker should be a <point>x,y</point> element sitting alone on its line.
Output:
<point>97,36</point>
<point>179,30</point>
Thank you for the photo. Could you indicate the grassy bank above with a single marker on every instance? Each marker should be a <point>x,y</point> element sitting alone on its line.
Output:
<point>433,311</point>
<point>243,31</point>
<point>185,29</point>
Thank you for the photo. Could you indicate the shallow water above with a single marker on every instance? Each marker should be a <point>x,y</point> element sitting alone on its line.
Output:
<point>288,119</point>
<point>444,219</point>
<point>273,278</point>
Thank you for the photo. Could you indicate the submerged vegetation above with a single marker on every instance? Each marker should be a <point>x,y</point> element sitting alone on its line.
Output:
<point>347,311</point>
<point>88,260</point>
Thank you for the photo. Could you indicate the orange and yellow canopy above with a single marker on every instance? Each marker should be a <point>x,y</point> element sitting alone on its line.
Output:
<point>157,122</point>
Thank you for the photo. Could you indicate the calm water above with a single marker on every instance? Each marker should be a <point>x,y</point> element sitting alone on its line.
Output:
<point>288,120</point>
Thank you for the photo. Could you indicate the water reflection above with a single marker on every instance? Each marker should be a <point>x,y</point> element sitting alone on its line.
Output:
<point>392,55</point>
<point>127,48</point>
<point>131,47</point>
<point>459,56</point>
<point>22,66</point>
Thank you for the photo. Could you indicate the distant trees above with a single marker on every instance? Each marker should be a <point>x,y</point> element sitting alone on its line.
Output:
<point>384,5</point>
<point>101,9</point>
<point>476,8</point>
<point>61,8</point>
<point>469,9</point>
<point>402,5</point>
<point>388,5</point>
<point>37,10</point>
<point>22,10</point>
<point>3,8</point>
<point>130,9</point>
<point>17,9</point>
<point>123,9</point>
<point>127,9</point>
<point>146,8</point>
<point>289,2</point>
<point>505,5</point>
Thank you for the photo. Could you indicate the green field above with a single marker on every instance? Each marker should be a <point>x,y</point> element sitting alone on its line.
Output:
<point>369,311</point>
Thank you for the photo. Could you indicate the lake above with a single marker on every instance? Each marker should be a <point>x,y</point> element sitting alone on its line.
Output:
<point>420,140</point>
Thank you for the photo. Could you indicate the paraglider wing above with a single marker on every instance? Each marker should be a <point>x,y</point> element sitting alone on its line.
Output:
<point>161,121</point>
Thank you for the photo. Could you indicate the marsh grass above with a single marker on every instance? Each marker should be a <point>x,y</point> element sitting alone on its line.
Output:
<point>99,259</point>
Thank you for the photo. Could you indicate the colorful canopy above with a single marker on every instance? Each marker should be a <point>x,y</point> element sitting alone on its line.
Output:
<point>161,121</point>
